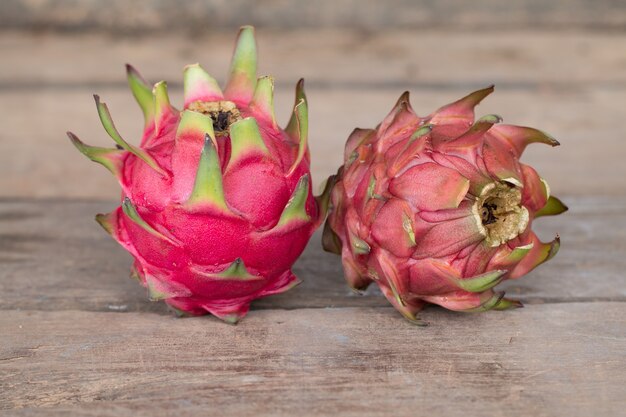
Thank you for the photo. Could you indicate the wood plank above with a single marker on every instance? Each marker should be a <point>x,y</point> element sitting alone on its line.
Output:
<point>548,360</point>
<point>53,256</point>
<point>37,160</point>
<point>169,16</point>
<point>390,58</point>
<point>571,85</point>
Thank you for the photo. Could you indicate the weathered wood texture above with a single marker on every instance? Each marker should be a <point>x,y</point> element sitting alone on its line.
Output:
<point>79,338</point>
<point>140,16</point>
<point>391,58</point>
<point>55,257</point>
<point>565,360</point>
<point>571,85</point>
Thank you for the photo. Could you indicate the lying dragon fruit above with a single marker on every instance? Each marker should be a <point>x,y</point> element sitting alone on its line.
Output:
<point>216,202</point>
<point>438,209</point>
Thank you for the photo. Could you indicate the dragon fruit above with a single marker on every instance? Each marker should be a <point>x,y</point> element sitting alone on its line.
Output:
<point>438,209</point>
<point>216,201</point>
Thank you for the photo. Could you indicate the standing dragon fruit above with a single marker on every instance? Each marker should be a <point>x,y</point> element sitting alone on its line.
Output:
<point>216,202</point>
<point>439,209</point>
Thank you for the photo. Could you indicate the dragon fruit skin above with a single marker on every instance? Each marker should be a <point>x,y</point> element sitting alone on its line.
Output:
<point>216,202</point>
<point>439,209</point>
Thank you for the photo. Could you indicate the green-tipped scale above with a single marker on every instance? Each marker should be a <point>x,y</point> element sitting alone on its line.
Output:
<point>553,207</point>
<point>295,210</point>
<point>246,141</point>
<point>263,100</point>
<point>217,201</point>
<point>443,205</point>
<point>199,85</point>
<point>301,112</point>
<point>208,189</point>
<point>109,127</point>
<point>112,159</point>
<point>243,66</point>
<point>292,128</point>
<point>236,271</point>
<point>142,92</point>
<point>162,107</point>
<point>131,213</point>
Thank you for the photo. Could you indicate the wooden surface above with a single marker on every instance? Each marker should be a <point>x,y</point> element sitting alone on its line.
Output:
<point>79,338</point>
<point>562,359</point>
<point>193,16</point>
<point>78,267</point>
<point>572,85</point>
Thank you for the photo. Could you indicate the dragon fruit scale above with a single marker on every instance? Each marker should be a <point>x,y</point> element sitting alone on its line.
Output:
<point>438,209</point>
<point>216,201</point>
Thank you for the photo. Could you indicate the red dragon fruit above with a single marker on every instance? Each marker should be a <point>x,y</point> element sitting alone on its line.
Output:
<point>216,202</point>
<point>438,209</point>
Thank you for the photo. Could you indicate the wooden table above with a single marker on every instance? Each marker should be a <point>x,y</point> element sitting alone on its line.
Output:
<point>79,338</point>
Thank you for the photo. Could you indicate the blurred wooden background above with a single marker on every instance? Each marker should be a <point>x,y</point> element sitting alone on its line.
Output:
<point>79,337</point>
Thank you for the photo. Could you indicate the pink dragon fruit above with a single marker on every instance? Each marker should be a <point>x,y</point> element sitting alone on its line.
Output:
<point>216,202</point>
<point>438,209</point>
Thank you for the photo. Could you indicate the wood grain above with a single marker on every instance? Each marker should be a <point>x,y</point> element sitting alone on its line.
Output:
<point>55,257</point>
<point>572,85</point>
<point>389,58</point>
<point>79,338</point>
<point>39,161</point>
<point>198,16</point>
<point>565,359</point>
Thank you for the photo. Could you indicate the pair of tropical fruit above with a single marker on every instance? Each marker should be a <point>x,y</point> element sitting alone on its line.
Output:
<point>217,201</point>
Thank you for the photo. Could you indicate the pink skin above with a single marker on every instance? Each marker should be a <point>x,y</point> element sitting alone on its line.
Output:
<point>214,220</point>
<point>209,240</point>
<point>410,199</point>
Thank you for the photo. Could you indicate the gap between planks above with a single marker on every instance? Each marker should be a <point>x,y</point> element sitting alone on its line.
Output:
<point>89,272</point>
<point>548,361</point>
<point>348,85</point>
